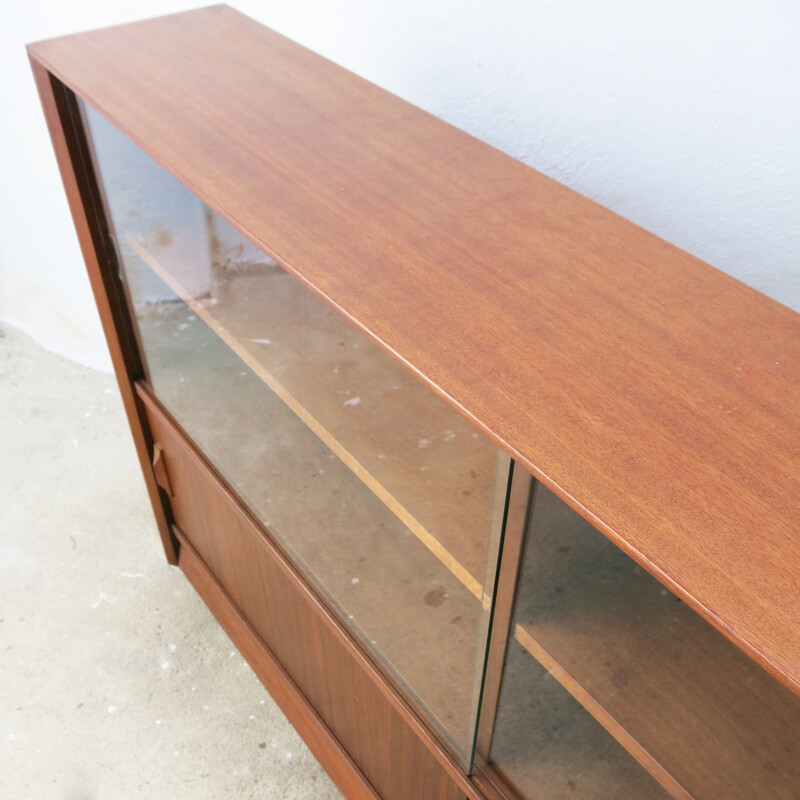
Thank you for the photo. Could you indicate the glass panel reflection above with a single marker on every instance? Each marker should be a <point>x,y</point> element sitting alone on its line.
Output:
<point>381,493</point>
<point>682,700</point>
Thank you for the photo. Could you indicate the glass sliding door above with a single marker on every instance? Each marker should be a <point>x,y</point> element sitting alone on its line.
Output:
<point>614,688</point>
<point>387,500</point>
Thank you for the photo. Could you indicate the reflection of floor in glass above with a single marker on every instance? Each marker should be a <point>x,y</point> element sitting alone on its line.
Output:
<point>548,746</point>
<point>421,453</point>
<point>411,611</point>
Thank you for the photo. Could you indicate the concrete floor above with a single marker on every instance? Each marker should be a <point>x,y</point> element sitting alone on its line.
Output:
<point>115,680</point>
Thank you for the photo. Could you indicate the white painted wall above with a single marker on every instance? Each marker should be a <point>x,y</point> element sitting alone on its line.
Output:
<point>682,115</point>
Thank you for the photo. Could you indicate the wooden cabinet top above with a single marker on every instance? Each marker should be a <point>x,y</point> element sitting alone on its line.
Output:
<point>655,394</point>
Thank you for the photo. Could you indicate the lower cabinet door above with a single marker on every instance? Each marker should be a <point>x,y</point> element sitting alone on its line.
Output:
<point>246,579</point>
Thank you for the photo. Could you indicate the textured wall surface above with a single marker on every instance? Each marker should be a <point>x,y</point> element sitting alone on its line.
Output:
<point>683,117</point>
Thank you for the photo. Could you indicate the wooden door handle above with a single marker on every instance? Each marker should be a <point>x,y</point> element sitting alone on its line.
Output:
<point>160,470</point>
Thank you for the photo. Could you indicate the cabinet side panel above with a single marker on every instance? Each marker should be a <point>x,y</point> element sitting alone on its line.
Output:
<point>69,144</point>
<point>397,756</point>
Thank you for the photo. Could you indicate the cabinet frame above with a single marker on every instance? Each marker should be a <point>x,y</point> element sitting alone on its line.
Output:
<point>80,184</point>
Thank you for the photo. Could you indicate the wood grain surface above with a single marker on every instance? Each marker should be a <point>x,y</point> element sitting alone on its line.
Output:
<point>322,743</point>
<point>657,395</point>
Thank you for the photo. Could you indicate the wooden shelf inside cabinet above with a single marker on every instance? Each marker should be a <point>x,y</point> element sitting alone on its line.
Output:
<point>551,746</point>
<point>694,710</point>
<point>365,559</point>
<point>398,439</point>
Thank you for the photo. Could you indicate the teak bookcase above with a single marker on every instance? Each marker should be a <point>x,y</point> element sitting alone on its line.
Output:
<point>496,491</point>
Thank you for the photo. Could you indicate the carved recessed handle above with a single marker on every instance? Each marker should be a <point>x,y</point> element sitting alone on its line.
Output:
<point>160,470</point>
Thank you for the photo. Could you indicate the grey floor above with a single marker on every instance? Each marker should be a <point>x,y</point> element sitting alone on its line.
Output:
<point>115,680</point>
